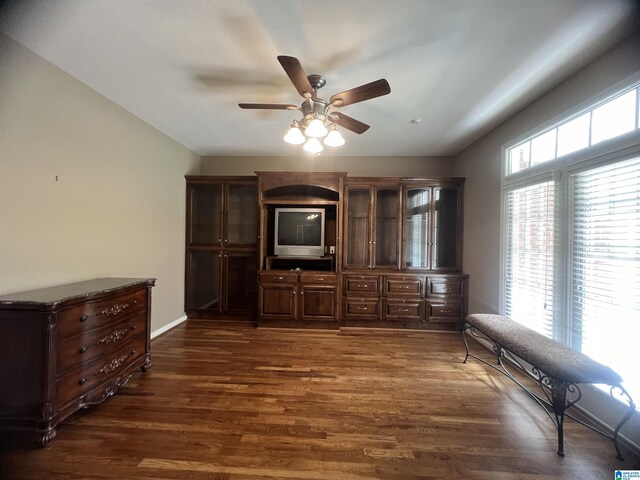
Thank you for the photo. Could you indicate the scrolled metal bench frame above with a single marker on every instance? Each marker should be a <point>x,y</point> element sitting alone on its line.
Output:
<point>555,391</point>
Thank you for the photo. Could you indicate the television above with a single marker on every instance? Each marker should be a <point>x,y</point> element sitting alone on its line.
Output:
<point>299,232</point>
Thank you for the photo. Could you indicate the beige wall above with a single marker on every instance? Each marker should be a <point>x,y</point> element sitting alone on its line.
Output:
<point>117,206</point>
<point>354,166</point>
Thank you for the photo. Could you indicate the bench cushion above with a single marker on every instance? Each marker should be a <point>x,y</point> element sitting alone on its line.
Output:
<point>551,357</point>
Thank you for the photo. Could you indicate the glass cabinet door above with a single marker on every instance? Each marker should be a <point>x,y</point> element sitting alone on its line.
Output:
<point>358,227</point>
<point>241,282</point>
<point>386,227</point>
<point>416,241</point>
<point>205,226</point>
<point>242,215</point>
<point>445,228</point>
<point>203,279</point>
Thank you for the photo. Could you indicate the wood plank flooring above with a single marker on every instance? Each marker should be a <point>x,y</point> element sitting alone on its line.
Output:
<point>232,402</point>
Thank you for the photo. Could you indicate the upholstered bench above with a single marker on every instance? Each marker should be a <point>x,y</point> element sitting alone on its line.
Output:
<point>557,369</point>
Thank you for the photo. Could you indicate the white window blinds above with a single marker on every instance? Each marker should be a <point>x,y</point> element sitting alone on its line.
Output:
<point>605,265</point>
<point>530,247</point>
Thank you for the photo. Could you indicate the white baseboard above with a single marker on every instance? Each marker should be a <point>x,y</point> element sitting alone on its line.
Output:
<point>168,327</point>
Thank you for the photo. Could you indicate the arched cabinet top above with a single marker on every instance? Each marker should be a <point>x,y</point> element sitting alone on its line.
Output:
<point>300,185</point>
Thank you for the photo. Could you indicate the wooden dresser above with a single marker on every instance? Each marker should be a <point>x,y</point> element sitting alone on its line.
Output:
<point>67,347</point>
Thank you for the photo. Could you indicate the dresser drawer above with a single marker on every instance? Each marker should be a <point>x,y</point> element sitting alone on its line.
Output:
<point>361,307</point>
<point>90,375</point>
<point>89,345</point>
<point>444,311</point>
<point>403,286</point>
<point>319,278</point>
<point>403,309</point>
<point>92,315</point>
<point>445,286</point>
<point>280,277</point>
<point>361,285</point>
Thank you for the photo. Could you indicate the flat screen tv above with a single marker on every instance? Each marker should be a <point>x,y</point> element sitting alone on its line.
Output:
<point>299,232</point>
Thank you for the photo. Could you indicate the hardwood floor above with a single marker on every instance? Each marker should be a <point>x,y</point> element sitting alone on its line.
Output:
<point>233,402</point>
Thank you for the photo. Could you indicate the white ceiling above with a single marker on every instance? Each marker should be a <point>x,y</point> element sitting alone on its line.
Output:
<point>462,66</point>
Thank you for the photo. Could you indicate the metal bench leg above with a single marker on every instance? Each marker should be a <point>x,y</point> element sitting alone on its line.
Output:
<point>464,340</point>
<point>558,401</point>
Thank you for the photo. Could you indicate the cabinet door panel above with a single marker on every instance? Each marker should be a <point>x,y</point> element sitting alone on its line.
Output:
<point>277,301</point>
<point>242,215</point>
<point>203,280</point>
<point>387,227</point>
<point>445,229</point>
<point>205,209</point>
<point>318,302</point>
<point>241,281</point>
<point>416,218</point>
<point>358,227</point>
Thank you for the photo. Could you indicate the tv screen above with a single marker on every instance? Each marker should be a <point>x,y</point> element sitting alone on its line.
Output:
<point>299,231</point>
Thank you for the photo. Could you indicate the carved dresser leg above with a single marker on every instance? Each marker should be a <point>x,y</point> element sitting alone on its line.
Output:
<point>47,436</point>
<point>146,366</point>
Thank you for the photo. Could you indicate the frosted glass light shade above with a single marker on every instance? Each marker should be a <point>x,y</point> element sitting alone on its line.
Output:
<point>334,139</point>
<point>294,136</point>
<point>313,145</point>
<point>316,129</point>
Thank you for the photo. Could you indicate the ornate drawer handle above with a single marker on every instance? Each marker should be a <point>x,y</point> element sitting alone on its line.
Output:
<point>113,337</point>
<point>84,318</point>
<point>82,381</point>
<point>115,363</point>
<point>83,349</point>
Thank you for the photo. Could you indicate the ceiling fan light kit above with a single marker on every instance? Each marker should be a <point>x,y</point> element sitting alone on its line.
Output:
<point>318,121</point>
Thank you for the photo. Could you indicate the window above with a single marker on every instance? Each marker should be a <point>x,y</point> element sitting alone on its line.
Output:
<point>605,121</point>
<point>571,234</point>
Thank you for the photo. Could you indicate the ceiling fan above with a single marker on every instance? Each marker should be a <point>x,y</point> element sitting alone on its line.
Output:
<point>318,114</point>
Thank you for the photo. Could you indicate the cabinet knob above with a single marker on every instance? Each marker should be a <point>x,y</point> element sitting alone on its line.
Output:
<point>83,349</point>
<point>132,326</point>
<point>135,302</point>
<point>82,381</point>
<point>84,318</point>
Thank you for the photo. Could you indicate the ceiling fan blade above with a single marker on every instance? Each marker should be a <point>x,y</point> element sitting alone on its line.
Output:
<point>296,73</point>
<point>360,94</point>
<point>268,106</point>
<point>349,123</point>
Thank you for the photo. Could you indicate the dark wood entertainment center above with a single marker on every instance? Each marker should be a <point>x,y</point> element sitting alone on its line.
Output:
<point>393,251</point>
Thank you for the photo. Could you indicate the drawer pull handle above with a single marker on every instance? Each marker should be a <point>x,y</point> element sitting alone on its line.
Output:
<point>319,279</point>
<point>404,286</point>
<point>278,278</point>
<point>83,349</point>
<point>446,310</point>
<point>115,363</point>
<point>403,309</point>
<point>362,285</point>
<point>113,337</point>
<point>361,308</point>
<point>84,318</point>
<point>82,381</point>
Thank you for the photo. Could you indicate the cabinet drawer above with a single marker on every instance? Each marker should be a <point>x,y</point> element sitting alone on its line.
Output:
<point>280,277</point>
<point>445,286</point>
<point>361,285</point>
<point>403,309</point>
<point>361,307</point>
<point>92,315</point>
<point>319,278</point>
<point>79,349</point>
<point>444,311</point>
<point>403,286</point>
<point>90,375</point>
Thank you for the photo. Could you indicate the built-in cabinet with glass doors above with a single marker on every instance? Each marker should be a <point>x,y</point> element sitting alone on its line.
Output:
<point>221,263</point>
<point>402,259</point>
